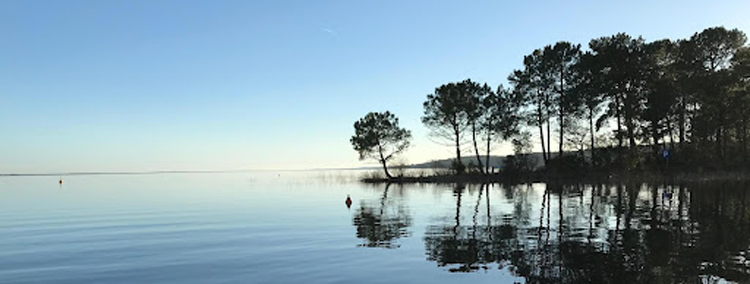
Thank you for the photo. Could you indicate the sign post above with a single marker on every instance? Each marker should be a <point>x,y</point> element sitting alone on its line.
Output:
<point>665,154</point>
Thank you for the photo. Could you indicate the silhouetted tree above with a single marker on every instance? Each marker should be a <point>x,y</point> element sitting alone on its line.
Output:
<point>661,97</point>
<point>740,94</point>
<point>445,113</point>
<point>713,50</point>
<point>547,83</point>
<point>588,88</point>
<point>621,60</point>
<point>476,113</point>
<point>533,85</point>
<point>560,60</point>
<point>378,136</point>
<point>687,95</point>
<point>501,116</point>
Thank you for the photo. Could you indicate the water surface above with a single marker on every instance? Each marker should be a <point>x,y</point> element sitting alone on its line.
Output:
<point>294,227</point>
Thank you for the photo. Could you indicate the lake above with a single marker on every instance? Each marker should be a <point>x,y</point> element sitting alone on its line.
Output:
<point>294,227</point>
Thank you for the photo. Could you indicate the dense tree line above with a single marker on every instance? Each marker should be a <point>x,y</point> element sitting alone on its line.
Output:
<point>689,96</point>
<point>614,106</point>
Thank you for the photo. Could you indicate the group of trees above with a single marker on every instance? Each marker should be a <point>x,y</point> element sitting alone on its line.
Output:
<point>456,109</point>
<point>691,96</point>
<point>681,95</point>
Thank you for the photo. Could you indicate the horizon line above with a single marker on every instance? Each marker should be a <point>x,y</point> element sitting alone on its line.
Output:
<point>83,173</point>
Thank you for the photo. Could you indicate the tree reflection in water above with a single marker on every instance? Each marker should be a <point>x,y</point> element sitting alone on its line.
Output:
<point>382,224</point>
<point>629,233</point>
<point>472,246</point>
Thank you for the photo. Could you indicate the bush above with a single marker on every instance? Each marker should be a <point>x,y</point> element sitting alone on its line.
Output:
<point>458,167</point>
<point>571,165</point>
<point>516,166</point>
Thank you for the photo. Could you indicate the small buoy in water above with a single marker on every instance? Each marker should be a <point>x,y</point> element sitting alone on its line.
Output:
<point>348,201</point>
<point>60,180</point>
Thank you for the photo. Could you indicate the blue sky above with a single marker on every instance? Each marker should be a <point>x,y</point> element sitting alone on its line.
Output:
<point>198,85</point>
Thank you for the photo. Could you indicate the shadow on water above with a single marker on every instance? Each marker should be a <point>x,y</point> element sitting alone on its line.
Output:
<point>630,233</point>
<point>380,225</point>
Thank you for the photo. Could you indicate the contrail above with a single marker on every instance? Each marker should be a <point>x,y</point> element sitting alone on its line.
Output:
<point>329,31</point>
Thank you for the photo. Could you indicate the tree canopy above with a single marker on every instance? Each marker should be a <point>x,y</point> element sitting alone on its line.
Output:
<point>447,113</point>
<point>378,136</point>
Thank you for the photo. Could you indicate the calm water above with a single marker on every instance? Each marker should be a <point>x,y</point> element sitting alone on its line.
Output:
<point>294,227</point>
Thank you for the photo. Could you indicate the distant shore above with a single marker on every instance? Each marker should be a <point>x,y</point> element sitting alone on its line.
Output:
<point>477,178</point>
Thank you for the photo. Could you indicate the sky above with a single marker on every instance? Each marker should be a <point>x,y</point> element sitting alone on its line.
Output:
<point>228,85</point>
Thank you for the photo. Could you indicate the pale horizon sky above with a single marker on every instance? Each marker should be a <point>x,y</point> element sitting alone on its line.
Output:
<point>226,85</point>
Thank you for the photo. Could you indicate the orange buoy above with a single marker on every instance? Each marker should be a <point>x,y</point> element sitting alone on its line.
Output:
<point>61,181</point>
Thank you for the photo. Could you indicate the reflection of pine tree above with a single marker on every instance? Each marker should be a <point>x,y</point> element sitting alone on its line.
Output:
<point>600,234</point>
<point>382,226</point>
<point>468,248</point>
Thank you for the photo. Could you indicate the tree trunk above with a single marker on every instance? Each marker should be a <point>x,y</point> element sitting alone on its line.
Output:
<point>670,129</point>
<point>629,117</point>
<point>549,139</point>
<point>591,130</point>
<point>476,148</point>
<point>655,137</point>
<point>549,136</point>
<point>618,114</point>
<point>719,142</point>
<point>385,168</point>
<point>540,120</point>
<point>631,133</point>
<point>562,123</point>
<point>743,136</point>
<point>458,146</point>
<point>681,121</point>
<point>739,140</point>
<point>724,136</point>
<point>562,108</point>
<point>489,138</point>
<point>383,161</point>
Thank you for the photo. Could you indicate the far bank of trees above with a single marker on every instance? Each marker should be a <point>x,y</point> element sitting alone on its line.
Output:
<point>616,105</point>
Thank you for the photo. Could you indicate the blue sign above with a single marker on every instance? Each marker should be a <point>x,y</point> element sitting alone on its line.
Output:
<point>665,153</point>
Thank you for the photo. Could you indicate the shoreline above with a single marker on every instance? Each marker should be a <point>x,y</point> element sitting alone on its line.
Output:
<point>476,178</point>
